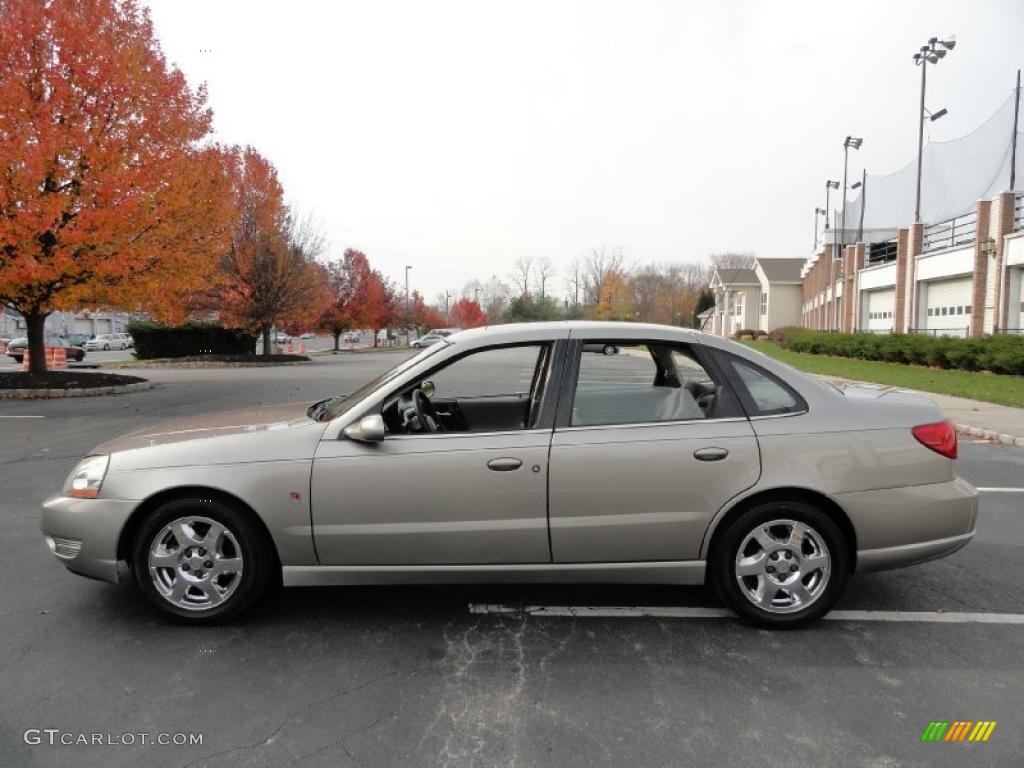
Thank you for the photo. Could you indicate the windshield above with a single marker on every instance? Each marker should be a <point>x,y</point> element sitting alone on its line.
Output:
<point>336,406</point>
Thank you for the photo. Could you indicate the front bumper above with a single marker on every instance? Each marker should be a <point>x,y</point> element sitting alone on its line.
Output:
<point>903,526</point>
<point>94,523</point>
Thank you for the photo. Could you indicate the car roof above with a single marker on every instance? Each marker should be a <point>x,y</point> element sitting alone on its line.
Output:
<point>580,329</point>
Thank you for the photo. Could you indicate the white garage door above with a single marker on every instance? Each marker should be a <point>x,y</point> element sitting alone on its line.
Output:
<point>878,310</point>
<point>948,306</point>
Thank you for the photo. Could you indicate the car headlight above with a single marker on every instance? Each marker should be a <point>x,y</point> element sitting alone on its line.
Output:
<point>85,479</point>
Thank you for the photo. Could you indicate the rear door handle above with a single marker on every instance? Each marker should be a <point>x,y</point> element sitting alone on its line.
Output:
<point>504,465</point>
<point>710,454</point>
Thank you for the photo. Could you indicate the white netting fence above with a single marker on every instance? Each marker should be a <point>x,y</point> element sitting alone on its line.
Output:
<point>955,175</point>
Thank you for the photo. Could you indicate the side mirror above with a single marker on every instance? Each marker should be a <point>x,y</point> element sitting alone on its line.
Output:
<point>369,429</point>
<point>427,387</point>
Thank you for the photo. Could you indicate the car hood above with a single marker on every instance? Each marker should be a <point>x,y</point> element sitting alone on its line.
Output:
<point>264,433</point>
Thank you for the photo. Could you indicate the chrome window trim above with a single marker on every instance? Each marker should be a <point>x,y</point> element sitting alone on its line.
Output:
<point>631,425</point>
<point>467,434</point>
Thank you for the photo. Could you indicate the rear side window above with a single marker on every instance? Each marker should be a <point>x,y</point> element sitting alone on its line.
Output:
<point>641,383</point>
<point>763,393</point>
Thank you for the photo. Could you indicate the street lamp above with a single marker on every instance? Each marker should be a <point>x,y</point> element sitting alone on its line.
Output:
<point>407,268</point>
<point>931,53</point>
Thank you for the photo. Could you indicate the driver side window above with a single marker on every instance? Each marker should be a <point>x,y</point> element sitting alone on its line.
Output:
<point>494,390</point>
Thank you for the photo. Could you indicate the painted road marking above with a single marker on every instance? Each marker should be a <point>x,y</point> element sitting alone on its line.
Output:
<point>22,417</point>
<point>1000,490</point>
<point>683,612</point>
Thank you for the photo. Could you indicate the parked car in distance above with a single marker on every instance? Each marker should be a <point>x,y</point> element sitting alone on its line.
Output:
<point>508,454</point>
<point>77,339</point>
<point>107,342</point>
<point>433,336</point>
<point>351,338</point>
<point>16,348</point>
<point>282,338</point>
<point>308,335</point>
<point>604,348</point>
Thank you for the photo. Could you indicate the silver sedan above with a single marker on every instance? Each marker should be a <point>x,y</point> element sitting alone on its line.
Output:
<point>509,454</point>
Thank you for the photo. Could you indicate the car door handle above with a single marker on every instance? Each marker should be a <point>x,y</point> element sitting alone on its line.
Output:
<point>710,454</point>
<point>504,465</point>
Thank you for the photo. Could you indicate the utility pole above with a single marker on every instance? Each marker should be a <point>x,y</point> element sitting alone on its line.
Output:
<point>1013,139</point>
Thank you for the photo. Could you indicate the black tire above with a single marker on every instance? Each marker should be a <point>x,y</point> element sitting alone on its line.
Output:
<point>259,561</point>
<point>106,347</point>
<point>723,559</point>
<point>609,349</point>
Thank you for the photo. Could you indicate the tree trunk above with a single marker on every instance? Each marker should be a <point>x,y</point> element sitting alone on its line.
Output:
<point>265,331</point>
<point>36,322</point>
<point>337,339</point>
<point>375,338</point>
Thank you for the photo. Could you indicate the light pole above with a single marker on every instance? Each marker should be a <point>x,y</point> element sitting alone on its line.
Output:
<point>447,311</point>
<point>850,142</point>
<point>930,53</point>
<point>818,212</point>
<point>829,186</point>
<point>863,184</point>
<point>407,268</point>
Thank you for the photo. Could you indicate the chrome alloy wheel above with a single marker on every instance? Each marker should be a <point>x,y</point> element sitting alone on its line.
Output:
<point>783,566</point>
<point>195,563</point>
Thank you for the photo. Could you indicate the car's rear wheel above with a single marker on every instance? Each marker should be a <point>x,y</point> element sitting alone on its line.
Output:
<point>781,564</point>
<point>201,561</point>
<point>609,349</point>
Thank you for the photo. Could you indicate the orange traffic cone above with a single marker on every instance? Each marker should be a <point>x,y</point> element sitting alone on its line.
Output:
<point>24,361</point>
<point>302,348</point>
<point>288,348</point>
<point>60,357</point>
<point>49,351</point>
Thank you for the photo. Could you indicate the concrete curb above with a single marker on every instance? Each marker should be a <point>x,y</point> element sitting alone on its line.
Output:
<point>1003,438</point>
<point>46,394</point>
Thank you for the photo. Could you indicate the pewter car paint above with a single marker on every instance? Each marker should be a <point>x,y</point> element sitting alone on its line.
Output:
<point>259,456</point>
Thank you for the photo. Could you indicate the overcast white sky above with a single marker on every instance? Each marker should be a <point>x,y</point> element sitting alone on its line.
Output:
<point>456,136</point>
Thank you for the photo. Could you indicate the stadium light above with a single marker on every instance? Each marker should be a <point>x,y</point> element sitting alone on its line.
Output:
<point>931,53</point>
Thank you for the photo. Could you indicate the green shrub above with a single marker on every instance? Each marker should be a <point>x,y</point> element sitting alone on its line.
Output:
<point>1001,354</point>
<point>153,340</point>
<point>780,335</point>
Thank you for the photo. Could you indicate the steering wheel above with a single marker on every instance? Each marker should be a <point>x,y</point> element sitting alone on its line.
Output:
<point>423,412</point>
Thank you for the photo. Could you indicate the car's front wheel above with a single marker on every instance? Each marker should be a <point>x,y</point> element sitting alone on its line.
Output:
<point>201,561</point>
<point>781,564</point>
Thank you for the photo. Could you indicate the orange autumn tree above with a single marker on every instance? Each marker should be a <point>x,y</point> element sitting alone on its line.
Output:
<point>422,315</point>
<point>348,282</point>
<point>107,195</point>
<point>466,313</point>
<point>268,273</point>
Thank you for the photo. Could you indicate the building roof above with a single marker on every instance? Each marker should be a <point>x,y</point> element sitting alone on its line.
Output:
<point>781,270</point>
<point>728,276</point>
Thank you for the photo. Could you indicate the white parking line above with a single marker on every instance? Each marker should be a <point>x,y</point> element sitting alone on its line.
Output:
<point>681,612</point>
<point>22,417</point>
<point>1000,490</point>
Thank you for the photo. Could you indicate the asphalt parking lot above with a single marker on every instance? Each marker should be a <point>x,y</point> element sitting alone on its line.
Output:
<point>410,676</point>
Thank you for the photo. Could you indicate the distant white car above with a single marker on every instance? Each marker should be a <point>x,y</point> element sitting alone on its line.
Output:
<point>108,341</point>
<point>308,335</point>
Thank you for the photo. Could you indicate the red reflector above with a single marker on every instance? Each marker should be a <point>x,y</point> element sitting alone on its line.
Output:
<point>940,437</point>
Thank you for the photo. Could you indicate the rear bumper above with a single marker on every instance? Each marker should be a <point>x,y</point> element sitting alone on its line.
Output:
<point>903,526</point>
<point>83,533</point>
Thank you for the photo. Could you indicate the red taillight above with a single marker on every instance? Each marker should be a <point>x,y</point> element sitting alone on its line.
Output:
<point>940,437</point>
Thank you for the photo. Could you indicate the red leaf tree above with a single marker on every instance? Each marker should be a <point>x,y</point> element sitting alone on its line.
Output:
<point>268,274</point>
<point>107,197</point>
<point>466,313</point>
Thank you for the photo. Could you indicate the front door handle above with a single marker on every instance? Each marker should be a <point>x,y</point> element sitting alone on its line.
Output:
<point>504,465</point>
<point>710,454</point>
